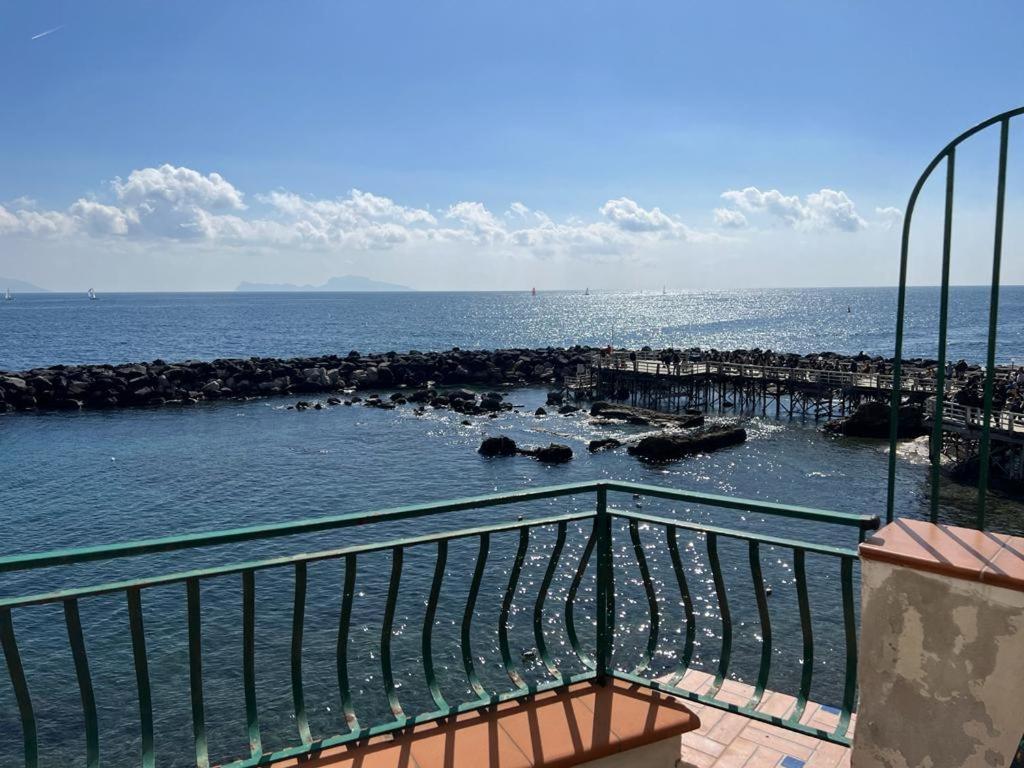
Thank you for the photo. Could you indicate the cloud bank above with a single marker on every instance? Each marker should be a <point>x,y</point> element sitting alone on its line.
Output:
<point>170,203</point>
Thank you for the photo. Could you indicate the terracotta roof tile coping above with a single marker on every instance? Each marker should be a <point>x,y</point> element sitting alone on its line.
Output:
<point>982,556</point>
<point>557,728</point>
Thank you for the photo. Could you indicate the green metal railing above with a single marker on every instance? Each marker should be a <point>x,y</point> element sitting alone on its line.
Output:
<point>603,521</point>
<point>947,156</point>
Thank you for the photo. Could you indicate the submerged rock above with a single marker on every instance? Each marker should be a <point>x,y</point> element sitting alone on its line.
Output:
<point>603,444</point>
<point>668,447</point>
<point>498,446</point>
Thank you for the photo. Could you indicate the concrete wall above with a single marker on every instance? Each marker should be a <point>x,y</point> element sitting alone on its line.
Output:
<point>941,671</point>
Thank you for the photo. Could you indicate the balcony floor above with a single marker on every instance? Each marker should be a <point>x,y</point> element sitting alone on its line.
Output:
<point>727,740</point>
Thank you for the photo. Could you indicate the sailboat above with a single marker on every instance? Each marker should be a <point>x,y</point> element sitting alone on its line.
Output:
<point>8,296</point>
<point>91,294</point>
<point>533,291</point>
<point>663,290</point>
<point>586,292</point>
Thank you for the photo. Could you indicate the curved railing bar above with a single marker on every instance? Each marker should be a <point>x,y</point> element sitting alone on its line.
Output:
<point>652,597</point>
<point>428,626</point>
<point>542,594</point>
<point>684,592</point>
<point>511,669</point>
<point>570,601</point>
<point>467,617</point>
<point>896,399</point>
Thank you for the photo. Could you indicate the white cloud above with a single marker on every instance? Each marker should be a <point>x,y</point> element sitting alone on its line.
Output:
<point>168,203</point>
<point>889,216</point>
<point>823,210</point>
<point>729,218</point>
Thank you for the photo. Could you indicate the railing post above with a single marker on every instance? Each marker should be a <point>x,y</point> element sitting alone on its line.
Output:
<point>605,590</point>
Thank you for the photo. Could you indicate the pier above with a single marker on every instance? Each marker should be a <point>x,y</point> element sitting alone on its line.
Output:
<point>644,379</point>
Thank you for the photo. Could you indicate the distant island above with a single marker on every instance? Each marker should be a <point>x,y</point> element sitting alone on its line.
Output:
<point>345,283</point>
<point>19,286</point>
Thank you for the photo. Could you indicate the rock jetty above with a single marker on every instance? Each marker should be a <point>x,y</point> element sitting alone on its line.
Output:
<point>158,383</point>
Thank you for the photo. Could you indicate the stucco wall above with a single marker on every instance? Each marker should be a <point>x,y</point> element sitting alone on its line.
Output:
<point>941,671</point>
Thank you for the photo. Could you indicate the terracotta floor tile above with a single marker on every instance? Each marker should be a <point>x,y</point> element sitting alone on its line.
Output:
<point>827,755</point>
<point>947,549</point>
<point>379,755</point>
<point>728,728</point>
<point>555,734</point>
<point>639,713</point>
<point>1006,569</point>
<point>702,743</point>
<point>774,740</point>
<point>764,757</point>
<point>736,754</point>
<point>691,759</point>
<point>468,742</point>
<point>777,704</point>
<point>709,718</point>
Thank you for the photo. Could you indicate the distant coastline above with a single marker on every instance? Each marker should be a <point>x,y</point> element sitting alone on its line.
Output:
<point>344,283</point>
<point>19,286</point>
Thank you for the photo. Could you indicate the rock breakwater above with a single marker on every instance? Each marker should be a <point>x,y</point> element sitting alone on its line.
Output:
<point>159,383</point>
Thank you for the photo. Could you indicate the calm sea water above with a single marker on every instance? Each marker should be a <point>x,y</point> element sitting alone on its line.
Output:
<point>46,329</point>
<point>96,477</point>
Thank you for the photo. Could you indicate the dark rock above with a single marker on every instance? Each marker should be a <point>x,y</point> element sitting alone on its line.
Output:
<point>644,416</point>
<point>603,444</point>
<point>333,401</point>
<point>565,410</point>
<point>871,419</point>
<point>554,453</point>
<point>554,398</point>
<point>667,447</point>
<point>461,394</point>
<point>68,404</point>
<point>540,412</point>
<point>497,446</point>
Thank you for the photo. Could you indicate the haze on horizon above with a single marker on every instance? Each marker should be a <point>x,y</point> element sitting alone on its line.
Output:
<point>193,146</point>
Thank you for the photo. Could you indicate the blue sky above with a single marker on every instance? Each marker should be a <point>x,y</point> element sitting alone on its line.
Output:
<point>567,109</point>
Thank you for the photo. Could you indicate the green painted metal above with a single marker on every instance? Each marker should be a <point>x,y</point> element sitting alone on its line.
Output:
<point>252,715</point>
<point>850,628</point>
<point>298,624</point>
<point>17,674</point>
<point>935,453</point>
<point>570,601</point>
<point>428,626</point>
<point>263,532</point>
<point>513,672</point>
<point>723,609</point>
<point>807,662</point>
<point>386,633</point>
<point>542,594</point>
<point>993,323</point>
<point>76,639</point>
<point>791,511</point>
<point>348,592</point>
<point>605,589</point>
<point>652,597</point>
<point>259,565</point>
<point>947,154</point>
<point>467,616</point>
<point>754,555</point>
<point>684,593</point>
<point>195,672</point>
<point>141,662</point>
<point>601,578</point>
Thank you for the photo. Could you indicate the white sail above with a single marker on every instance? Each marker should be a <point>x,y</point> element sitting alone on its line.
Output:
<point>92,294</point>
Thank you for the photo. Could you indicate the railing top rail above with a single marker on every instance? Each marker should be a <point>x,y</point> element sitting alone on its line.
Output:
<point>274,562</point>
<point>74,555</point>
<point>24,562</point>
<point>862,522</point>
<point>732,533</point>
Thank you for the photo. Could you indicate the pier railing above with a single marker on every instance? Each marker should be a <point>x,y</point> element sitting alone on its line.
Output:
<point>914,380</point>
<point>969,417</point>
<point>595,532</point>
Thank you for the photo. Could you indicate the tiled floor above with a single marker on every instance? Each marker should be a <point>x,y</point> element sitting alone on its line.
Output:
<point>726,740</point>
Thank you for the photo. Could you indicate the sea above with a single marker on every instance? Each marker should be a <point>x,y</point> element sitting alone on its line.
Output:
<point>90,478</point>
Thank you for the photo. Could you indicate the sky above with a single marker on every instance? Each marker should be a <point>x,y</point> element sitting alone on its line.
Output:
<point>497,146</point>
